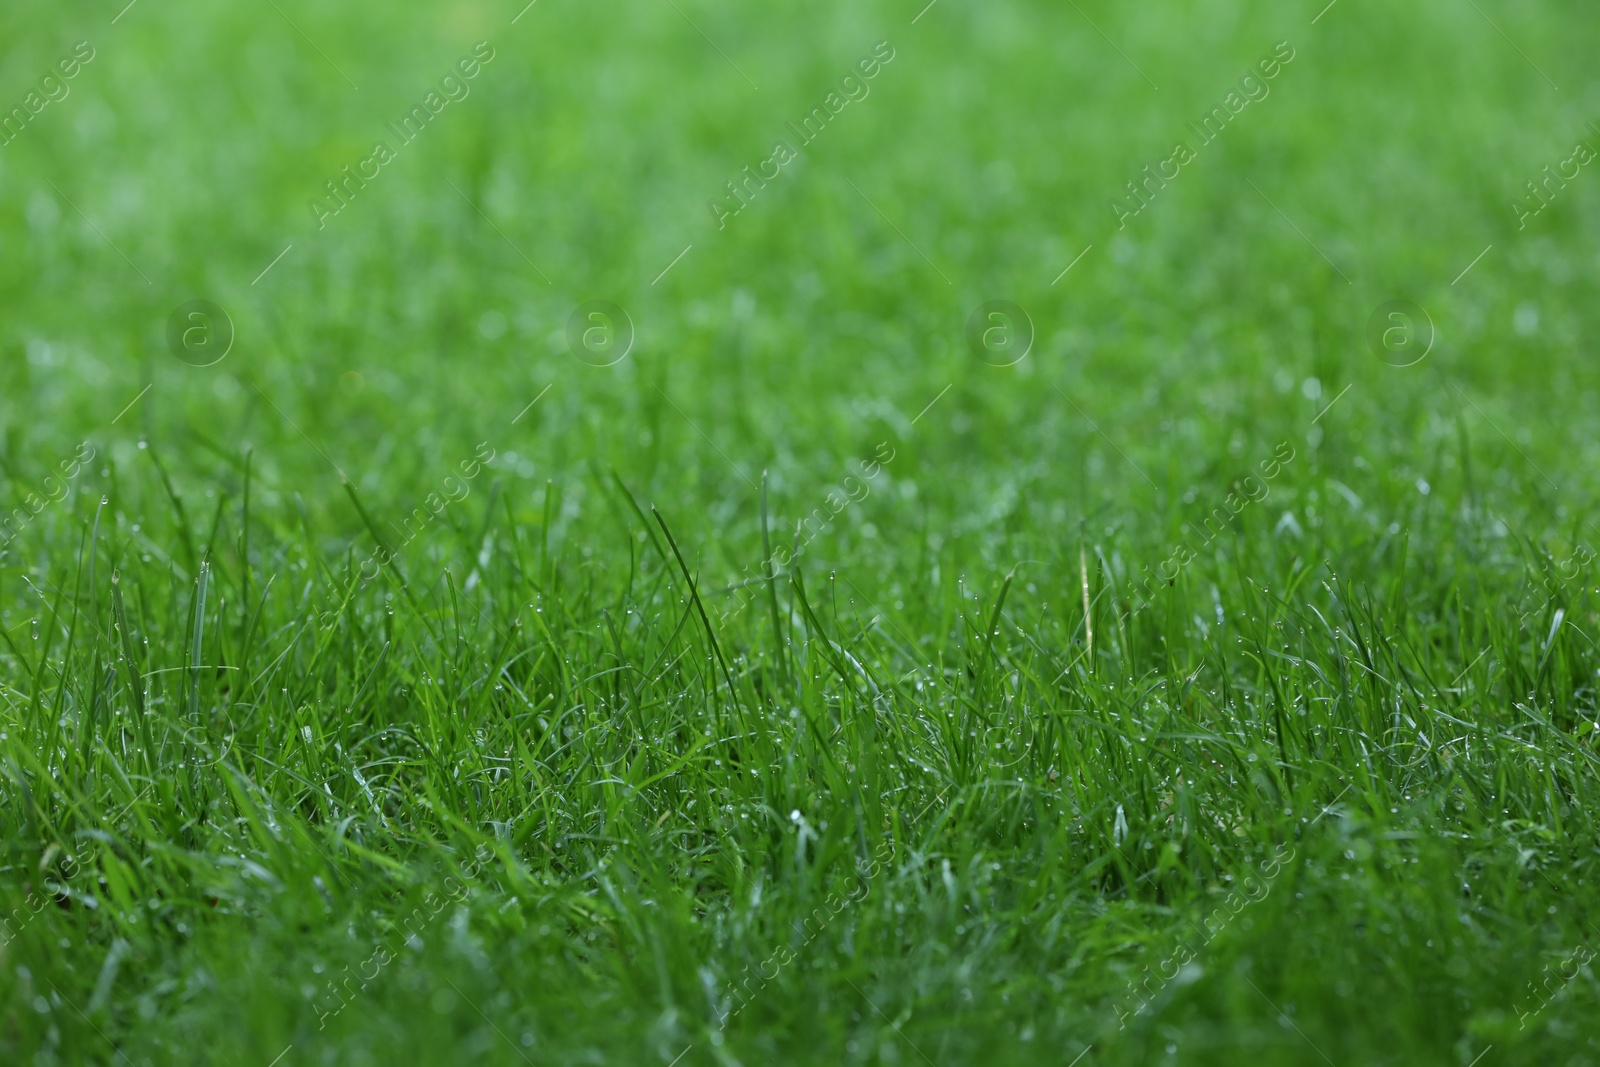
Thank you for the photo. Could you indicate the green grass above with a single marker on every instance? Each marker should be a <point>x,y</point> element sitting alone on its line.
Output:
<point>1007,762</point>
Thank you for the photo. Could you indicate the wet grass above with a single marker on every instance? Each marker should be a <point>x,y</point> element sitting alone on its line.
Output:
<point>801,684</point>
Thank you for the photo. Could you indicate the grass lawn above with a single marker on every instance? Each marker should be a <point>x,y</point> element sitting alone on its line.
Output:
<point>659,534</point>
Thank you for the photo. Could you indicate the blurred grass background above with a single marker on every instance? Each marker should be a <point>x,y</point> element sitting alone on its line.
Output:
<point>1172,358</point>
